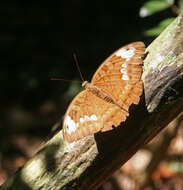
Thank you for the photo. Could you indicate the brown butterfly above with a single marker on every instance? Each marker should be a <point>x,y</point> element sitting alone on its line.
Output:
<point>105,101</point>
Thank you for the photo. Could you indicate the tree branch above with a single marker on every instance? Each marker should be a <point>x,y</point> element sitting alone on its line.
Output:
<point>87,163</point>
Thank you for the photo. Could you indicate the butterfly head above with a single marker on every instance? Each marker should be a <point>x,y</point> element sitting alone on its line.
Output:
<point>84,84</point>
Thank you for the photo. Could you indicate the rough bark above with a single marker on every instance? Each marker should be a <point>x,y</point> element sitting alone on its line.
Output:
<point>87,163</point>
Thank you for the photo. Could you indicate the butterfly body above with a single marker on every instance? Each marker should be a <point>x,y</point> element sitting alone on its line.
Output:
<point>106,100</point>
<point>97,91</point>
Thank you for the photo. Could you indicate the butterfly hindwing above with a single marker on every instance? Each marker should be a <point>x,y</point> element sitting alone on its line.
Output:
<point>88,114</point>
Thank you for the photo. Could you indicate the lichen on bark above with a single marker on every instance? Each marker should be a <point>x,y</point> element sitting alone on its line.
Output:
<point>163,64</point>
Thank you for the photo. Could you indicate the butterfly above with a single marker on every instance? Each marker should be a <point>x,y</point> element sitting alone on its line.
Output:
<point>106,100</point>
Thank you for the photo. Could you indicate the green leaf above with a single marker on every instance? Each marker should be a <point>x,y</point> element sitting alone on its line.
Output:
<point>157,30</point>
<point>154,6</point>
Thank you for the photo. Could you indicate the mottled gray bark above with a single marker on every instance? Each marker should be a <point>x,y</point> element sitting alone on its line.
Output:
<point>87,163</point>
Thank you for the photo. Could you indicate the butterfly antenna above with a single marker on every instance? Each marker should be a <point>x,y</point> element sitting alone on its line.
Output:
<point>66,80</point>
<point>76,60</point>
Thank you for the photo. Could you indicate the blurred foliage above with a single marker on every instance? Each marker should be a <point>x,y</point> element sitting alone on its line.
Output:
<point>159,28</point>
<point>176,166</point>
<point>74,88</point>
<point>152,7</point>
<point>180,5</point>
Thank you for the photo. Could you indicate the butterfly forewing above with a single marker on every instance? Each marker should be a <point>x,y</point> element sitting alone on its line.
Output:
<point>120,74</point>
<point>120,77</point>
